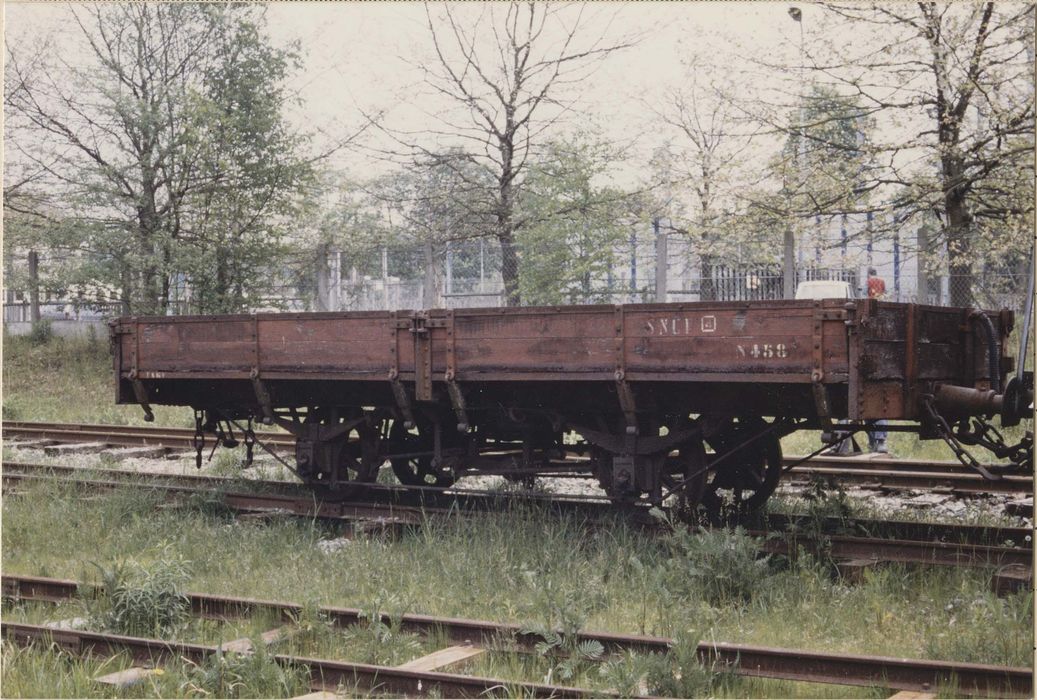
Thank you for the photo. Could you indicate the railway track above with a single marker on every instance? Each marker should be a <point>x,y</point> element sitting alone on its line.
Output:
<point>900,674</point>
<point>941,544</point>
<point>444,500</point>
<point>868,472</point>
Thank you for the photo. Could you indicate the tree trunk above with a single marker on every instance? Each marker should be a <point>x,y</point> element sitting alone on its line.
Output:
<point>166,283</point>
<point>509,269</point>
<point>788,267</point>
<point>707,289</point>
<point>431,288</point>
<point>322,273</point>
<point>959,230</point>
<point>126,293</point>
<point>34,286</point>
<point>147,219</point>
<point>505,221</point>
<point>959,249</point>
<point>662,260</point>
<point>922,276</point>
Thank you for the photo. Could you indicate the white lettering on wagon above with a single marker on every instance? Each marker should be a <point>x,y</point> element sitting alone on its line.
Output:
<point>763,351</point>
<point>683,325</point>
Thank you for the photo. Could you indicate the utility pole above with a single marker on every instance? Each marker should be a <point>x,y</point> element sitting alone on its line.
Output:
<point>789,252</point>
<point>662,259</point>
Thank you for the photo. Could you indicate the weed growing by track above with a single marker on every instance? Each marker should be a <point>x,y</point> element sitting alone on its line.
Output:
<point>143,601</point>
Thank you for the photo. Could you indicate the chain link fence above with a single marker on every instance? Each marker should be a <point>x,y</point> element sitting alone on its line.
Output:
<point>643,268</point>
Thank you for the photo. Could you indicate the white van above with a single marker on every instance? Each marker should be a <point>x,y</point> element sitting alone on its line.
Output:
<point>824,289</point>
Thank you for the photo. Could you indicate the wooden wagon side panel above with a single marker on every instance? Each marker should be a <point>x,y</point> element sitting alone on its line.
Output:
<point>346,346</point>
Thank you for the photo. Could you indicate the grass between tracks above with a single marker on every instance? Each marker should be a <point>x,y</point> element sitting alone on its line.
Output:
<point>527,566</point>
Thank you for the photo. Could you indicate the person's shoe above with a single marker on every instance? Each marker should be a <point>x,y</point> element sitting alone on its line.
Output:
<point>881,448</point>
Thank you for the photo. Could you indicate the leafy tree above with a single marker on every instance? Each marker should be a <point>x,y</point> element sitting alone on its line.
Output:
<point>439,201</point>
<point>166,146</point>
<point>708,160</point>
<point>575,225</point>
<point>233,241</point>
<point>824,162</point>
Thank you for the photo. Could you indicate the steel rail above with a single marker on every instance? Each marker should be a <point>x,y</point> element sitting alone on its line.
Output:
<point>182,438</point>
<point>902,551</point>
<point>311,506</point>
<point>741,659</point>
<point>841,547</point>
<point>122,435</point>
<point>872,462</point>
<point>444,499</point>
<point>959,482</point>
<point>325,674</point>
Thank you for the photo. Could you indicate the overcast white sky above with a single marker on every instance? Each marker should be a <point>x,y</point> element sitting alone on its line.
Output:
<point>359,56</point>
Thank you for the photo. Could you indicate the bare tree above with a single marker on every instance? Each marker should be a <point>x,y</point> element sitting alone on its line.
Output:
<point>708,157</point>
<point>510,76</point>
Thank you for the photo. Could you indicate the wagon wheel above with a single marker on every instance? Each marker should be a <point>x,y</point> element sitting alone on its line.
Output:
<point>686,478</point>
<point>744,480</point>
<point>361,462</point>
<point>357,463</point>
<point>415,471</point>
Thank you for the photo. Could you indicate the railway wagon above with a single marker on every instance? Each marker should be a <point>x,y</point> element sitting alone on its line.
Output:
<point>656,400</point>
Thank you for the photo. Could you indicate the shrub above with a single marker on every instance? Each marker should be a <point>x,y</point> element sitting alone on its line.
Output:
<point>142,601</point>
<point>41,332</point>
<point>723,566</point>
<point>253,675</point>
<point>380,642</point>
<point>679,673</point>
<point>565,643</point>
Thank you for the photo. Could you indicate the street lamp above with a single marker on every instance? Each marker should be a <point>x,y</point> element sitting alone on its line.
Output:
<point>789,253</point>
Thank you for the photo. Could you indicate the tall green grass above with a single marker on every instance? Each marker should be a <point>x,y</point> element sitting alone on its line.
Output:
<point>69,380</point>
<point>532,567</point>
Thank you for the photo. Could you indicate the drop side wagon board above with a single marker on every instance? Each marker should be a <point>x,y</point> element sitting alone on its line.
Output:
<point>860,359</point>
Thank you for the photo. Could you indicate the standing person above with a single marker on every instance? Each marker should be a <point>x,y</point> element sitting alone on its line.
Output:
<point>877,438</point>
<point>876,285</point>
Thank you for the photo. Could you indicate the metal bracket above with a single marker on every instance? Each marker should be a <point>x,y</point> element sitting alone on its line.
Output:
<point>262,396</point>
<point>421,326</point>
<point>452,387</point>
<point>623,390</point>
<point>399,393</point>
<point>139,391</point>
<point>457,401</point>
<point>141,394</point>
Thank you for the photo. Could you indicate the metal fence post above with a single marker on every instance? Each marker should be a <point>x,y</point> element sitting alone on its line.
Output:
<point>661,261</point>
<point>34,285</point>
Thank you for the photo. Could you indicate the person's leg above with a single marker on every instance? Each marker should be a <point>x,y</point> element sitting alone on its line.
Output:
<point>877,437</point>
